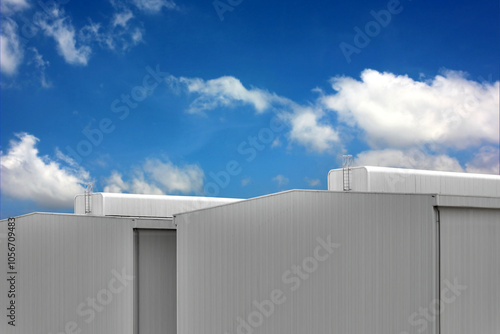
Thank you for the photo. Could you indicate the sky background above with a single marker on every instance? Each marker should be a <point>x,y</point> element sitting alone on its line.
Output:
<point>239,98</point>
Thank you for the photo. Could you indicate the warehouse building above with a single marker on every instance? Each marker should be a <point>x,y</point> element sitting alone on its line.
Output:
<point>382,251</point>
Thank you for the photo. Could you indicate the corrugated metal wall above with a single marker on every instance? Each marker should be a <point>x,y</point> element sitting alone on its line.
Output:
<point>74,274</point>
<point>156,276</point>
<point>260,265</point>
<point>470,270</point>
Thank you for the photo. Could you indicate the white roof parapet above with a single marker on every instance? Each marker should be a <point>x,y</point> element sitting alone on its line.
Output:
<point>132,205</point>
<point>414,181</point>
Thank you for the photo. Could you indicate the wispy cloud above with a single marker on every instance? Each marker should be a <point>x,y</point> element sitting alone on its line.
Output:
<point>223,92</point>
<point>28,176</point>
<point>59,26</point>
<point>41,65</point>
<point>11,50</point>
<point>136,185</point>
<point>154,6</point>
<point>313,182</point>
<point>121,19</point>
<point>308,125</point>
<point>281,180</point>
<point>9,7</point>
<point>246,181</point>
<point>119,34</point>
<point>158,177</point>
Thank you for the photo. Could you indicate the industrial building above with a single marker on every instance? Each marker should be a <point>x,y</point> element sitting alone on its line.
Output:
<point>381,251</point>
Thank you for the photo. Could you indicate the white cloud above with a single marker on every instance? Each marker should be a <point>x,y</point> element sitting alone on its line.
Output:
<point>447,112</point>
<point>158,177</point>
<point>9,7</point>
<point>118,35</point>
<point>59,27</point>
<point>276,142</point>
<point>410,158</point>
<point>308,125</point>
<point>28,176</point>
<point>121,19</point>
<point>173,178</point>
<point>140,186</point>
<point>137,185</point>
<point>397,111</point>
<point>136,36</point>
<point>486,161</point>
<point>281,180</point>
<point>311,133</point>
<point>11,51</point>
<point>154,6</point>
<point>223,92</point>
<point>115,184</point>
<point>41,65</point>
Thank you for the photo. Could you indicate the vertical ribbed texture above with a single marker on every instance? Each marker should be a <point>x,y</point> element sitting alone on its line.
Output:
<point>470,256</point>
<point>156,261</point>
<point>63,260</point>
<point>383,271</point>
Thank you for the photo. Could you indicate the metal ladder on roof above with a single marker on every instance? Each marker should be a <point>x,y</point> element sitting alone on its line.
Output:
<point>347,162</point>
<point>88,197</point>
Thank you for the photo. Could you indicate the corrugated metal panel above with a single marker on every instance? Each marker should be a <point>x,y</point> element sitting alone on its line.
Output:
<point>65,265</point>
<point>470,270</point>
<point>398,180</point>
<point>235,257</point>
<point>131,205</point>
<point>156,275</point>
<point>468,202</point>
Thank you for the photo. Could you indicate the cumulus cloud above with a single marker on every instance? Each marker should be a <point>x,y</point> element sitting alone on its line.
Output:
<point>281,180</point>
<point>397,111</point>
<point>310,132</point>
<point>11,51</point>
<point>28,176</point>
<point>413,158</point>
<point>58,26</point>
<point>154,6</point>
<point>158,177</point>
<point>9,7</point>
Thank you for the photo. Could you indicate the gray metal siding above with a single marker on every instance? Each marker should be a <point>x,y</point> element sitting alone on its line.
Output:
<point>65,263</point>
<point>470,256</point>
<point>231,257</point>
<point>156,275</point>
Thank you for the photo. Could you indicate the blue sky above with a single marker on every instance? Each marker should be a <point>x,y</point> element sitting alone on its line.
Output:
<point>238,98</point>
